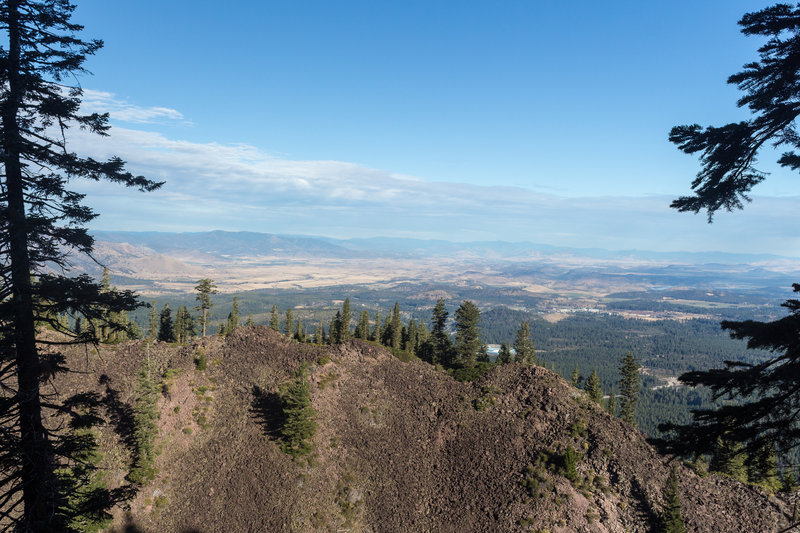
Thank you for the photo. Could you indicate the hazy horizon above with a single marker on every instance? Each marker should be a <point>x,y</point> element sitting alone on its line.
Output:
<point>520,122</point>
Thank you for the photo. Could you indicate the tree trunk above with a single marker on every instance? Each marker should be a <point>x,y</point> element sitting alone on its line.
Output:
<point>38,492</point>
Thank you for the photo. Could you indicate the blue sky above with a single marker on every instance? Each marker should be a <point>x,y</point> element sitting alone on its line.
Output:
<point>539,121</point>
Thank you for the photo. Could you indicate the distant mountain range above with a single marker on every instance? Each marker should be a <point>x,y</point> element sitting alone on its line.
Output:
<point>245,243</point>
<point>161,262</point>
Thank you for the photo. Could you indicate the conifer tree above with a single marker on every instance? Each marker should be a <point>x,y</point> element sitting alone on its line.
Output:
<point>145,418</point>
<point>468,339</point>
<point>205,288</point>
<point>571,463</point>
<point>789,483</point>
<point>184,325</point>
<point>41,60</point>
<point>289,325</point>
<point>362,330</point>
<point>152,322</point>
<point>333,329</point>
<point>523,345</point>
<point>377,332</point>
<point>386,329</point>
<point>336,328</point>
<point>422,336</point>
<point>438,347</point>
<point>504,355</point>
<point>671,518</point>
<point>274,319</point>
<point>299,425</point>
<point>319,334</point>
<point>166,331</point>
<point>766,398</point>
<point>593,387</point>
<point>344,323</point>
<point>611,405</point>
<point>410,338</point>
<point>250,321</point>
<point>233,317</point>
<point>762,467</point>
<point>575,378</point>
<point>729,459</point>
<point>629,385</point>
<point>105,287</point>
<point>483,354</point>
<point>299,331</point>
<point>395,335</point>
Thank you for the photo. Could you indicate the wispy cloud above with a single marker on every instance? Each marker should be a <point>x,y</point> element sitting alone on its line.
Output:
<point>239,186</point>
<point>120,110</point>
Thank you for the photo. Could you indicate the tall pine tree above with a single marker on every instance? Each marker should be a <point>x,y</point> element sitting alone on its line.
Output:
<point>166,331</point>
<point>205,288</point>
<point>288,327</point>
<point>629,387</point>
<point>504,355</point>
<point>344,328</point>
<point>671,518</point>
<point>274,319</point>
<point>395,334</point>
<point>468,338</point>
<point>362,330</point>
<point>523,344</point>
<point>42,223</point>
<point>438,348</point>
<point>593,387</point>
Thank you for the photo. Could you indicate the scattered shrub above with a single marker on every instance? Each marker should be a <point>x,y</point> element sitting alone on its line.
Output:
<point>200,361</point>
<point>570,463</point>
<point>327,379</point>
<point>471,373</point>
<point>486,399</point>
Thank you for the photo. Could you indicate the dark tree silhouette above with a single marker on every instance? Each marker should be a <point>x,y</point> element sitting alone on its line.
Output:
<point>768,393</point>
<point>42,223</point>
<point>728,153</point>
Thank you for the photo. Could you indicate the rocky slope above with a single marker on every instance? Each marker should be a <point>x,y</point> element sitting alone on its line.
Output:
<point>399,447</point>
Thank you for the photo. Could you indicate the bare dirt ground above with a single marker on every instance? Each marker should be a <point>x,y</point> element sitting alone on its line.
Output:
<point>399,447</point>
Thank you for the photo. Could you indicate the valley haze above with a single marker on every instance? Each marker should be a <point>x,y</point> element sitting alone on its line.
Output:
<point>157,263</point>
